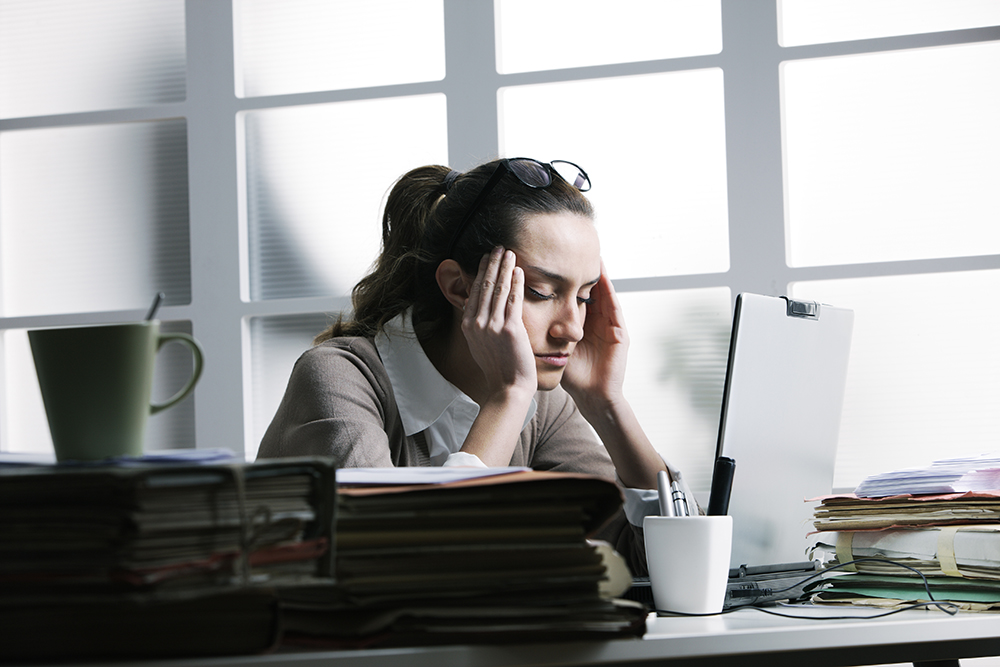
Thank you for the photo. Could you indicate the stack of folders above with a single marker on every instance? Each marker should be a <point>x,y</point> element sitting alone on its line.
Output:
<point>427,558</point>
<point>171,558</point>
<point>943,521</point>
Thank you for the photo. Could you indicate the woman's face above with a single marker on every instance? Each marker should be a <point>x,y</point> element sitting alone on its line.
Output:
<point>561,259</point>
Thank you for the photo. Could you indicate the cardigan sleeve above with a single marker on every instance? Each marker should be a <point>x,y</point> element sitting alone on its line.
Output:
<point>564,441</point>
<point>336,405</point>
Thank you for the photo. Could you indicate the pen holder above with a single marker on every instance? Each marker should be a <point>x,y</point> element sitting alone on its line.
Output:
<point>688,560</point>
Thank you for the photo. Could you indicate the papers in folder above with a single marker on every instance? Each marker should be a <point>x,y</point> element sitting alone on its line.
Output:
<point>849,512</point>
<point>965,551</point>
<point>417,475</point>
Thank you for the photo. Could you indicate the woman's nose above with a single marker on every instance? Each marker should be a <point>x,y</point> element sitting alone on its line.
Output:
<point>568,324</point>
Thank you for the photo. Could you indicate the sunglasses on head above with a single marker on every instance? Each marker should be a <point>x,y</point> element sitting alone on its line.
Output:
<point>531,173</point>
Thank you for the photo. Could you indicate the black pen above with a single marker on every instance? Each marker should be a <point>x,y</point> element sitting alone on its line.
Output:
<point>722,486</point>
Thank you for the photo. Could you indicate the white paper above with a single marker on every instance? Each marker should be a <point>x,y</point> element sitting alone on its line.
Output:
<point>417,474</point>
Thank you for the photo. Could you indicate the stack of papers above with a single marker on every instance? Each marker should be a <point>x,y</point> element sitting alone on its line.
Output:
<point>942,522</point>
<point>968,550</point>
<point>156,559</point>
<point>485,557</point>
<point>978,473</point>
<point>849,512</point>
<point>892,592</point>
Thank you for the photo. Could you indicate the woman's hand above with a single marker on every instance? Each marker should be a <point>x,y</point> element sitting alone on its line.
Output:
<point>596,370</point>
<point>498,342</point>
<point>594,378</point>
<point>493,328</point>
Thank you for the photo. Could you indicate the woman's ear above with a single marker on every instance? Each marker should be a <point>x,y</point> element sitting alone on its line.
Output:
<point>453,282</point>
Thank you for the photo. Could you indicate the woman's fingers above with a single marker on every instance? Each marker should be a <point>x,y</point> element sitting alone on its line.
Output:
<point>493,326</point>
<point>515,297</point>
<point>491,289</point>
<point>502,289</point>
<point>476,291</point>
<point>480,301</point>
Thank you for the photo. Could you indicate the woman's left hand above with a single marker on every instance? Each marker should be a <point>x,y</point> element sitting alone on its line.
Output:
<point>596,370</point>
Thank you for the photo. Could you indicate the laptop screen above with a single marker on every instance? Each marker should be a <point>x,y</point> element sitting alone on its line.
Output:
<point>780,421</point>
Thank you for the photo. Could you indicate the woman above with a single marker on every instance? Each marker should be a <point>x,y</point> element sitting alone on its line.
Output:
<point>488,333</point>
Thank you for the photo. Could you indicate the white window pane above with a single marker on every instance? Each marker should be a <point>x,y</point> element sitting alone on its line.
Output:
<point>892,156</point>
<point>26,430</point>
<point>679,345</point>
<point>655,148</point>
<point>276,342</point>
<point>315,179</point>
<point>924,375</point>
<point>819,21</point>
<point>298,46</point>
<point>65,56</point>
<point>93,218</point>
<point>556,34</point>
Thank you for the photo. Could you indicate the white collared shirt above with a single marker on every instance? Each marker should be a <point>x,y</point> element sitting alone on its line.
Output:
<point>426,400</point>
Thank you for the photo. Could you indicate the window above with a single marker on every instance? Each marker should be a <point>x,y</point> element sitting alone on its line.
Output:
<point>533,36</point>
<point>924,375</point>
<point>315,178</point>
<point>301,46</point>
<point>923,120</point>
<point>843,152</point>
<point>66,56</point>
<point>815,22</point>
<point>94,216</point>
<point>658,166</point>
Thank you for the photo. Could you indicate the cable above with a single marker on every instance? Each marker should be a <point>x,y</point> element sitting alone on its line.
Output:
<point>947,607</point>
<point>820,574</point>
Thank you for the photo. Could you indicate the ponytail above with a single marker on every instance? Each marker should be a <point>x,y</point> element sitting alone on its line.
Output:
<point>390,288</point>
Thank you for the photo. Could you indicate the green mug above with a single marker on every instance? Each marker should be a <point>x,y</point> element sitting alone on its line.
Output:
<point>96,384</point>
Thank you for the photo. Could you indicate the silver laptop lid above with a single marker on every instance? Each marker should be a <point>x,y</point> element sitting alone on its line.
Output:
<point>780,420</point>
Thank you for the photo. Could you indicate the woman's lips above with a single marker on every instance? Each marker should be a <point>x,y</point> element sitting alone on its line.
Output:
<point>556,359</point>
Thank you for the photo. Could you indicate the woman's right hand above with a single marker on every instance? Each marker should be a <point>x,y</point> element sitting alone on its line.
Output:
<point>493,327</point>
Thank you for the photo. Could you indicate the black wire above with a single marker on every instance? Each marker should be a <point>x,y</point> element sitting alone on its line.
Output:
<point>820,574</point>
<point>947,607</point>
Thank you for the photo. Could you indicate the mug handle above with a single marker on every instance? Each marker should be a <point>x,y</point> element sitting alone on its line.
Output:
<point>186,389</point>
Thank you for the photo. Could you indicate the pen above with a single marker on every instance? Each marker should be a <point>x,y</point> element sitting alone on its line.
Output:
<point>722,486</point>
<point>663,486</point>
<point>680,500</point>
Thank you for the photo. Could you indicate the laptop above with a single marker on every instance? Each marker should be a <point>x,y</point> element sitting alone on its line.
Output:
<point>780,422</point>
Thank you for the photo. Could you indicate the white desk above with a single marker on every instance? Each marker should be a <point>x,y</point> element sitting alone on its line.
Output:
<point>745,637</point>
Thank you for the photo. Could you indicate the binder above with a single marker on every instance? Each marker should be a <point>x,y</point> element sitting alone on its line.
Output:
<point>485,558</point>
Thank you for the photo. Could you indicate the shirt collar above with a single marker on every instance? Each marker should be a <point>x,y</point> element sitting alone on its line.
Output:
<point>423,395</point>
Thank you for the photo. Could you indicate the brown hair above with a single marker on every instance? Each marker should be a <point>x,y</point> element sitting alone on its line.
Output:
<point>421,215</point>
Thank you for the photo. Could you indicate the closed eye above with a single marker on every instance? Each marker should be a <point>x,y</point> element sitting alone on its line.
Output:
<point>539,295</point>
<point>588,300</point>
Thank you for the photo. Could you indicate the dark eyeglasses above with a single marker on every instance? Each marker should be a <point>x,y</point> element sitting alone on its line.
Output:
<point>530,172</point>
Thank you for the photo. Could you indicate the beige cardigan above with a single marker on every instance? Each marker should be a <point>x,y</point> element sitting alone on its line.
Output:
<point>340,403</point>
